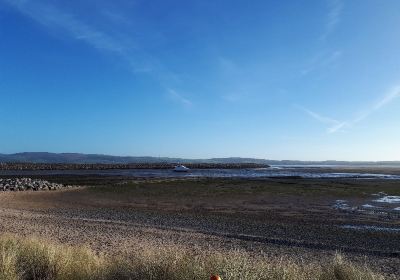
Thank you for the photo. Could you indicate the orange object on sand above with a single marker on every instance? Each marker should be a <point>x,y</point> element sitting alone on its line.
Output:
<point>215,277</point>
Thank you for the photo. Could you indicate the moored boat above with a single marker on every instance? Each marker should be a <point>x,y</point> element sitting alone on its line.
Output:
<point>181,168</point>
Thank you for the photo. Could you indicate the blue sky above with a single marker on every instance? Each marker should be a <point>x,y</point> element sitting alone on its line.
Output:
<point>308,80</point>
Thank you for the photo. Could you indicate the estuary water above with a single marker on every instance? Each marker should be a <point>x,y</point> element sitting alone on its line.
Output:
<point>271,172</point>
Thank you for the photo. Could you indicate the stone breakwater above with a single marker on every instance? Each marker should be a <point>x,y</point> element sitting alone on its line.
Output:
<point>26,184</point>
<point>67,166</point>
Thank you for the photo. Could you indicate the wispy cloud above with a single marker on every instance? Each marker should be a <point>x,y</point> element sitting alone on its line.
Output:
<point>333,17</point>
<point>318,117</point>
<point>112,41</point>
<point>179,98</point>
<point>389,97</point>
<point>51,17</point>
<point>335,125</point>
<point>323,59</point>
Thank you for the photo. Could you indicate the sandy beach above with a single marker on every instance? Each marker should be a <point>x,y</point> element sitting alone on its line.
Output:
<point>302,220</point>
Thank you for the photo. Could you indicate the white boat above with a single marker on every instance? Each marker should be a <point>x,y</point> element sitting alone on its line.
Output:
<point>181,168</point>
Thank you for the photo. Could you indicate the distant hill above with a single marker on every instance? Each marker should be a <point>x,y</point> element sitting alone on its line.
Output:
<point>77,158</point>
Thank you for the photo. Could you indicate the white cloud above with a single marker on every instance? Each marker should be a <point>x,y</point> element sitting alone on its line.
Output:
<point>333,18</point>
<point>338,127</point>
<point>389,97</point>
<point>113,40</point>
<point>335,125</point>
<point>174,95</point>
<point>332,124</point>
<point>318,117</point>
<point>323,59</point>
<point>51,17</point>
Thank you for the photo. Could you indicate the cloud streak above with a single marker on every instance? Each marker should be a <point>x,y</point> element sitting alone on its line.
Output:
<point>111,41</point>
<point>335,125</point>
<point>51,17</point>
<point>333,17</point>
<point>389,97</point>
<point>174,95</point>
<point>326,58</point>
<point>318,117</point>
<point>323,59</point>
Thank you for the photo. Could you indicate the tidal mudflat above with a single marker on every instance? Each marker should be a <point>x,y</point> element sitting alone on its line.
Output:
<point>297,219</point>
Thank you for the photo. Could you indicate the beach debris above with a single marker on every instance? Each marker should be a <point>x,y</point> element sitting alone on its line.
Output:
<point>388,199</point>
<point>341,204</point>
<point>368,206</point>
<point>379,194</point>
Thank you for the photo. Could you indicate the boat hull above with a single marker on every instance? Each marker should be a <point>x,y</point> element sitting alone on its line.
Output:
<point>181,168</point>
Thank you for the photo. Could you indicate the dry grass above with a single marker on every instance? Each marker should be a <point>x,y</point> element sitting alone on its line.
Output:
<point>34,259</point>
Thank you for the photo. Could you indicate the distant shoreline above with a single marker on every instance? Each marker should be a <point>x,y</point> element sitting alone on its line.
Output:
<point>69,166</point>
<point>96,159</point>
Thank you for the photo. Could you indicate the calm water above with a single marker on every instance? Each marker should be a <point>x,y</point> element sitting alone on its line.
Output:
<point>292,171</point>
